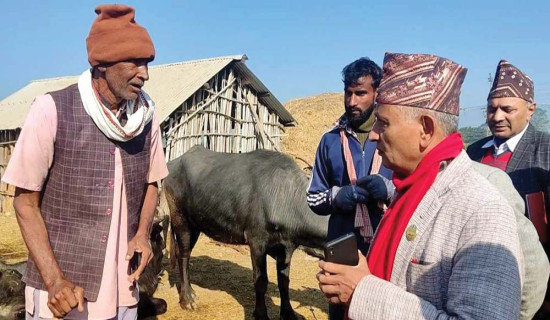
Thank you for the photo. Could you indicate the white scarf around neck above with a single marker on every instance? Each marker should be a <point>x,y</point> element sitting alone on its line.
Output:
<point>106,121</point>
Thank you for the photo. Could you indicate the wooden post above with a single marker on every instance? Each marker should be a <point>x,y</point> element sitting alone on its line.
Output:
<point>260,126</point>
<point>206,104</point>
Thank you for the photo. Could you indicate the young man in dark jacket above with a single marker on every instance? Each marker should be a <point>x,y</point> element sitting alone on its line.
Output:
<point>349,182</point>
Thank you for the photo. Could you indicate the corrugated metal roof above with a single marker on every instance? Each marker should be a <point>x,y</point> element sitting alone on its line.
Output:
<point>169,86</point>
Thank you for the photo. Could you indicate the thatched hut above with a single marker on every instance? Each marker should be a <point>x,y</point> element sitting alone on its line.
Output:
<point>218,103</point>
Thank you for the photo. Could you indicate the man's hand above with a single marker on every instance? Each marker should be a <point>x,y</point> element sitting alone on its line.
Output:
<point>338,281</point>
<point>346,198</point>
<point>375,185</point>
<point>140,243</point>
<point>64,296</point>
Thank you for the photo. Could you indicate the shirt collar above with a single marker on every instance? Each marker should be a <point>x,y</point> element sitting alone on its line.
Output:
<point>343,123</point>
<point>509,144</point>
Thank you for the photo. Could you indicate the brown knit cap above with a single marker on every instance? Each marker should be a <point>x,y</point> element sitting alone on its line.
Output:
<point>422,81</point>
<point>115,36</point>
<point>511,82</point>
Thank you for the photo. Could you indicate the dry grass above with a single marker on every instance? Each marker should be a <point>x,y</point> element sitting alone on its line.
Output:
<point>222,279</point>
<point>12,247</point>
<point>315,116</point>
<point>221,276</point>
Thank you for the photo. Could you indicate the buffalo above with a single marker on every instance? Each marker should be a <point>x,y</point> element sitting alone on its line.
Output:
<point>12,289</point>
<point>149,306</point>
<point>12,292</point>
<point>255,198</point>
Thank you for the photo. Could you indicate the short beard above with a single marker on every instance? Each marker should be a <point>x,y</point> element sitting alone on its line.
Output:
<point>357,121</point>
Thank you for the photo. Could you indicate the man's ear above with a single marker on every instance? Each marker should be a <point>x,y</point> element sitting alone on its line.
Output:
<point>98,71</point>
<point>427,127</point>
<point>531,107</point>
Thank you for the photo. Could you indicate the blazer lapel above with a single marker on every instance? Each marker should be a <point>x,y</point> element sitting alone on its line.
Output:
<point>524,148</point>
<point>421,220</point>
<point>478,153</point>
<point>425,213</point>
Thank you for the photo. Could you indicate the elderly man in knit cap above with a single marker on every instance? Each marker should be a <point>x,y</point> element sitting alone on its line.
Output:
<point>447,247</point>
<point>85,168</point>
<point>519,149</point>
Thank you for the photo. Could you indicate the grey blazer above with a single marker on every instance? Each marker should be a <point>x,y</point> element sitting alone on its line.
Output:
<point>529,167</point>
<point>537,268</point>
<point>469,265</point>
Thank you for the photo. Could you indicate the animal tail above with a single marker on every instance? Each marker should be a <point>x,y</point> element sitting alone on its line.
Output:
<point>173,248</point>
<point>164,209</point>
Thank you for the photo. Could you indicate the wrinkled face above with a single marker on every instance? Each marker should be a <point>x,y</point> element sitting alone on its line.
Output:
<point>359,100</point>
<point>398,139</point>
<point>126,78</point>
<point>507,117</point>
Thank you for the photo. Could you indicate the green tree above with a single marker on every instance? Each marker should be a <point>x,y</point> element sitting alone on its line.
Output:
<point>472,134</point>
<point>540,120</point>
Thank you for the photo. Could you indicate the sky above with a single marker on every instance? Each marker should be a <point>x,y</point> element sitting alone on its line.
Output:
<point>297,48</point>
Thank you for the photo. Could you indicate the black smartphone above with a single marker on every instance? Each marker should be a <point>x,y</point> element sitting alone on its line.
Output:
<point>342,250</point>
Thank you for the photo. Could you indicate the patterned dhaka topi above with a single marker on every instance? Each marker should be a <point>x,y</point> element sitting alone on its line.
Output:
<point>511,82</point>
<point>422,81</point>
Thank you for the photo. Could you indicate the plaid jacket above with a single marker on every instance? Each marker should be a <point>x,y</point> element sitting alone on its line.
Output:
<point>537,268</point>
<point>77,197</point>
<point>529,167</point>
<point>465,261</point>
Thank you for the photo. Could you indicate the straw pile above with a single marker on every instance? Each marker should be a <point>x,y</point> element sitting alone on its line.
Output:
<point>6,191</point>
<point>12,247</point>
<point>315,116</point>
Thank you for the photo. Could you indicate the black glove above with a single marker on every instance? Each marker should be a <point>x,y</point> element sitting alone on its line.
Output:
<point>375,186</point>
<point>347,197</point>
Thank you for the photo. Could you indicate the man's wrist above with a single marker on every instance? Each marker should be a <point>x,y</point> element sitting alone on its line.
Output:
<point>142,233</point>
<point>51,279</point>
<point>390,188</point>
<point>333,191</point>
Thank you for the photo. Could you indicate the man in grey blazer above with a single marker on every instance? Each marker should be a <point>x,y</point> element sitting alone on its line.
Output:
<point>448,245</point>
<point>516,147</point>
<point>537,268</point>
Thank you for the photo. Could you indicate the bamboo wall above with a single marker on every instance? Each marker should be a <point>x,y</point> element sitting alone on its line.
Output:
<point>225,115</point>
<point>7,143</point>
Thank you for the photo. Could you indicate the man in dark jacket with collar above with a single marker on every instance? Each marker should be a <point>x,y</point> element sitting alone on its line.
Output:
<point>348,181</point>
<point>517,147</point>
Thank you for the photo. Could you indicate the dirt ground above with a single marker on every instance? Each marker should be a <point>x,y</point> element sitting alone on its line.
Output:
<point>221,277</point>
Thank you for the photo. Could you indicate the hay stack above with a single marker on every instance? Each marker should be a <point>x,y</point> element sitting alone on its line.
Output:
<point>315,116</point>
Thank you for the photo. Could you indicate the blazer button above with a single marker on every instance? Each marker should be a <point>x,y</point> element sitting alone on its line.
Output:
<point>109,211</point>
<point>110,184</point>
<point>112,151</point>
<point>104,239</point>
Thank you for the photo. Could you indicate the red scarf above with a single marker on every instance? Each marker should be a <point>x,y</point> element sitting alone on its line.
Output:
<point>410,192</point>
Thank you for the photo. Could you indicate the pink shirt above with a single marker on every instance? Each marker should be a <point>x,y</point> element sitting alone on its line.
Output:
<point>28,168</point>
